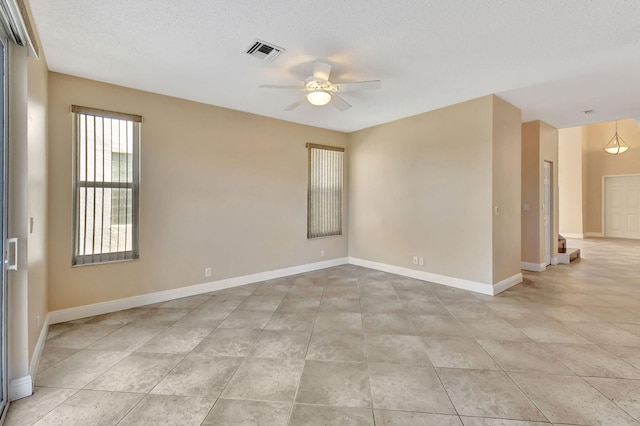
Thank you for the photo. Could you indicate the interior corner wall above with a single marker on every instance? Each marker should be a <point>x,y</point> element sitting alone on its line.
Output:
<point>219,188</point>
<point>531,214</point>
<point>422,186</point>
<point>507,146</point>
<point>599,164</point>
<point>570,180</point>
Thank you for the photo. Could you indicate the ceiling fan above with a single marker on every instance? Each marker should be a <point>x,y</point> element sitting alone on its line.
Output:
<point>320,91</point>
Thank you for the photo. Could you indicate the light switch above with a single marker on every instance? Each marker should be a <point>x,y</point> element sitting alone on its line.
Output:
<point>526,207</point>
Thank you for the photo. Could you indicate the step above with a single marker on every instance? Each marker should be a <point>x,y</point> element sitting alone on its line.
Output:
<point>570,255</point>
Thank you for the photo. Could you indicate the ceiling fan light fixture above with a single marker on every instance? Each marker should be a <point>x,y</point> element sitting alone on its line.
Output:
<point>616,145</point>
<point>319,97</point>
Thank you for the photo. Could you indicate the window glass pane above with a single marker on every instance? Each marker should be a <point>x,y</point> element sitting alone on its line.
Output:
<point>121,207</point>
<point>121,167</point>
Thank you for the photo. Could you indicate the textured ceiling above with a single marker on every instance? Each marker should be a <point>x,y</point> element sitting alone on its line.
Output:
<point>551,58</point>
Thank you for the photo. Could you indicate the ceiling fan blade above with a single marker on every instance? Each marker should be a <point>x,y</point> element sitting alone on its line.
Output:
<point>321,71</point>
<point>296,104</point>
<point>278,86</point>
<point>339,103</point>
<point>356,85</point>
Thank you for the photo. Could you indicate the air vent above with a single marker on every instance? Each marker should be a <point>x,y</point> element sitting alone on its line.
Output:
<point>263,50</point>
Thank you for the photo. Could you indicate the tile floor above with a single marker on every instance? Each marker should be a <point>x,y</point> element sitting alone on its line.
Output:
<point>352,346</point>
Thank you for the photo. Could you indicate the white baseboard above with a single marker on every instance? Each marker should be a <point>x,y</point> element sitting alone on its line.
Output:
<point>594,234</point>
<point>37,352</point>
<point>463,284</point>
<point>20,388</point>
<point>533,267</point>
<point>507,283</point>
<point>70,314</point>
<point>578,236</point>
<point>554,260</point>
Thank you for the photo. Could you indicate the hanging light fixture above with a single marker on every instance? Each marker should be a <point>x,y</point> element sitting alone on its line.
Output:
<point>319,97</point>
<point>616,145</point>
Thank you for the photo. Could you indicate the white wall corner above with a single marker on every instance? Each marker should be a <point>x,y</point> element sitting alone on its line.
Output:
<point>37,352</point>
<point>507,283</point>
<point>554,260</point>
<point>533,267</point>
<point>101,308</point>
<point>567,235</point>
<point>20,388</point>
<point>460,283</point>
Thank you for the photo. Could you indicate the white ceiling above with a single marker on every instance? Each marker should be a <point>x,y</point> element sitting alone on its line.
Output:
<point>551,58</point>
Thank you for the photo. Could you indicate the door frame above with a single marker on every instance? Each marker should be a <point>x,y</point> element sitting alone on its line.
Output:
<point>547,236</point>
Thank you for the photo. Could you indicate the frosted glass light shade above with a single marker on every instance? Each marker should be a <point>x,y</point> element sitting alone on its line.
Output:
<point>319,98</point>
<point>616,145</point>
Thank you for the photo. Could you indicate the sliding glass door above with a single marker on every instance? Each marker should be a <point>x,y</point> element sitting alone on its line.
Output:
<point>3,222</point>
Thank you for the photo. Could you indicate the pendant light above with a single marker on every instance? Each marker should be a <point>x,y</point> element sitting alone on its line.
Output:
<point>616,145</point>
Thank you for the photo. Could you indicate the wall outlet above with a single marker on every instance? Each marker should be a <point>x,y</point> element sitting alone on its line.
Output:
<point>421,261</point>
<point>37,321</point>
<point>321,253</point>
<point>415,260</point>
<point>207,272</point>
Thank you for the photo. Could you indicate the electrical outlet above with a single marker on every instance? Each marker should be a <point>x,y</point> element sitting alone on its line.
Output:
<point>37,321</point>
<point>421,261</point>
<point>207,272</point>
<point>321,253</point>
<point>415,260</point>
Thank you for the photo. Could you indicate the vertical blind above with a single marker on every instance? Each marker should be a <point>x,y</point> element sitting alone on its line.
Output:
<point>106,186</point>
<point>324,207</point>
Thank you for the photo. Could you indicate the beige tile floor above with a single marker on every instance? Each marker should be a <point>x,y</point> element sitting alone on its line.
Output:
<point>353,346</point>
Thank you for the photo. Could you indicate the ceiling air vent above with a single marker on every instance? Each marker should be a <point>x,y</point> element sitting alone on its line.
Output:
<point>263,50</point>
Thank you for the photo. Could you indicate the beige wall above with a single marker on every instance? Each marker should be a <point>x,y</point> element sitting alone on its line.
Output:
<point>598,164</point>
<point>37,198</point>
<point>38,76</point>
<point>423,186</point>
<point>539,144</point>
<point>570,181</point>
<point>507,136</point>
<point>531,172</point>
<point>219,188</point>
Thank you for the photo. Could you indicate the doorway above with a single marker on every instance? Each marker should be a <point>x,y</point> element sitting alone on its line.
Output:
<point>621,206</point>
<point>547,212</point>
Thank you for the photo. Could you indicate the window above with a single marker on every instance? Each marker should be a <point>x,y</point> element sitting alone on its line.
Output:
<point>106,182</point>
<point>324,208</point>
